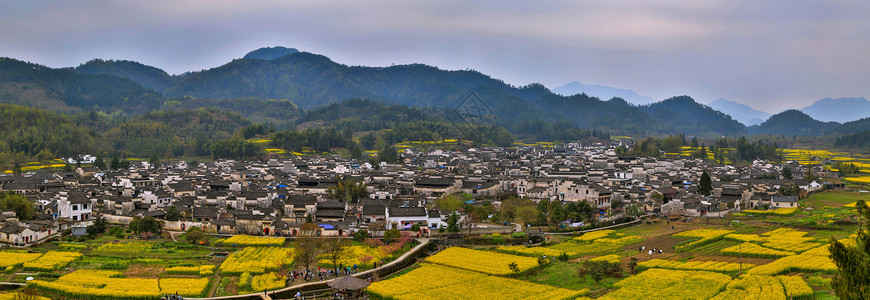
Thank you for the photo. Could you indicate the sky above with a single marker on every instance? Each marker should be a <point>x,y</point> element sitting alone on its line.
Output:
<point>771,55</point>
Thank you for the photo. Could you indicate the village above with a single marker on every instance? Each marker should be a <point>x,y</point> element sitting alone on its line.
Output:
<point>275,197</point>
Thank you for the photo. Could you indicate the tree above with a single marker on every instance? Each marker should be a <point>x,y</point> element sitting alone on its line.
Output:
<point>16,168</point>
<point>348,190</point>
<point>389,154</point>
<point>449,202</point>
<point>115,163</point>
<point>98,227</point>
<point>16,202</point>
<point>153,160</point>
<point>336,249</point>
<point>514,267</point>
<point>99,163</point>
<point>706,184</point>
<point>853,278</point>
<point>392,235</point>
<point>471,220</point>
<point>453,223</point>
<point>194,234</point>
<point>786,173</point>
<point>146,224</point>
<point>308,245</point>
<point>172,214</point>
<point>361,235</point>
<point>355,152</point>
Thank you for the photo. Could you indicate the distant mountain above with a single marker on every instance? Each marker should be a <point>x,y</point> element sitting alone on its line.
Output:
<point>269,53</point>
<point>602,92</point>
<point>683,115</point>
<point>793,122</point>
<point>740,112</point>
<point>278,90</point>
<point>66,89</point>
<point>147,76</point>
<point>839,110</point>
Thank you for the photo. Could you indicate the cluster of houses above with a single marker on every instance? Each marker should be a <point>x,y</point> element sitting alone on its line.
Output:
<point>276,196</point>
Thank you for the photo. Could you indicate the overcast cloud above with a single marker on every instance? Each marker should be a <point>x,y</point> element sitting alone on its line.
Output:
<point>771,55</point>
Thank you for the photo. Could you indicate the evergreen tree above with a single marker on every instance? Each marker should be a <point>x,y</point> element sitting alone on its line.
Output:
<point>786,173</point>
<point>853,278</point>
<point>706,184</point>
<point>99,163</point>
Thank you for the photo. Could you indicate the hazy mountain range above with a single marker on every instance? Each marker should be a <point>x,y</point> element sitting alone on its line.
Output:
<point>741,112</point>
<point>270,81</point>
<point>602,92</point>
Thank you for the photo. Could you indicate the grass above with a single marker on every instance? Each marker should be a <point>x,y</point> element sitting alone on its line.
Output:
<point>564,274</point>
<point>832,199</point>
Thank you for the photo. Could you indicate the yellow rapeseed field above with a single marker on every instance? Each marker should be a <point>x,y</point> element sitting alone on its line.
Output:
<point>669,284</point>
<point>482,261</point>
<point>256,260</point>
<point>10,258</point>
<point>432,281</point>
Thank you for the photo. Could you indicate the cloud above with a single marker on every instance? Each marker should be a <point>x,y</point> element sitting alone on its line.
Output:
<point>773,54</point>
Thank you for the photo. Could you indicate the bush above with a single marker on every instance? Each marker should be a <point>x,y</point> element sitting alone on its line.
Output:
<point>563,256</point>
<point>392,235</point>
<point>519,235</point>
<point>361,235</point>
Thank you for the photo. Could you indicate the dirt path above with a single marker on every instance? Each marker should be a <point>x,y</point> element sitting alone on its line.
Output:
<point>215,286</point>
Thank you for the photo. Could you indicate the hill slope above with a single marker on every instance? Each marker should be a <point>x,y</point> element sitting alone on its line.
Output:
<point>269,53</point>
<point>793,122</point>
<point>65,89</point>
<point>683,115</point>
<point>27,131</point>
<point>147,76</point>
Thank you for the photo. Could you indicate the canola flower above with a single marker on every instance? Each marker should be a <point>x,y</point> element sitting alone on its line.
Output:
<point>131,248</point>
<point>669,284</point>
<point>267,281</point>
<point>431,281</point>
<point>99,284</point>
<point>355,255</point>
<point>256,260</point>
<point>703,235</point>
<point>10,258</point>
<point>714,266</point>
<point>533,251</point>
<point>779,211</point>
<point>247,240</point>
<point>196,287</point>
<point>53,260</point>
<point>795,287</point>
<point>754,250</point>
<point>481,261</point>
<point>753,287</point>
<point>613,258</point>
<point>204,270</point>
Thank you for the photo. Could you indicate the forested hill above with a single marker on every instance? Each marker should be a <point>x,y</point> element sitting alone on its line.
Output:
<point>276,84</point>
<point>26,131</point>
<point>793,122</point>
<point>68,90</point>
<point>147,76</point>
<point>678,113</point>
<point>174,133</point>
